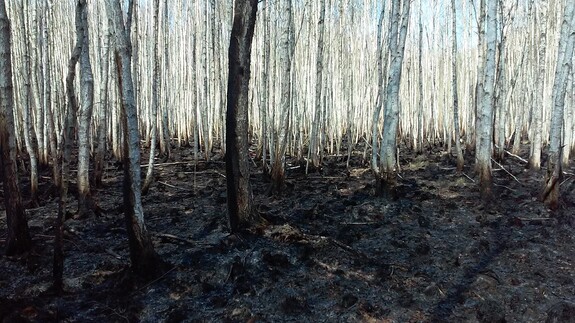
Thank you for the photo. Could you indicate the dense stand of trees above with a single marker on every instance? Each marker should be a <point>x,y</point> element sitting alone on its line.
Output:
<point>320,75</point>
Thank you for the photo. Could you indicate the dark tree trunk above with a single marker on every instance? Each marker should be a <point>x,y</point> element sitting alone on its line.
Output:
<point>18,236</point>
<point>240,212</point>
<point>146,263</point>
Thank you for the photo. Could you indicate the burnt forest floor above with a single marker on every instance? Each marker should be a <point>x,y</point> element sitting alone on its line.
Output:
<point>332,250</point>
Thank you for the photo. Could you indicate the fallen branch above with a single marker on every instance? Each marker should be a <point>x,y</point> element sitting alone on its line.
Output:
<point>534,219</point>
<point>516,156</point>
<point>111,252</point>
<point>173,237</point>
<point>156,280</point>
<point>471,179</point>
<point>167,164</point>
<point>359,223</point>
<point>505,170</point>
<point>172,186</point>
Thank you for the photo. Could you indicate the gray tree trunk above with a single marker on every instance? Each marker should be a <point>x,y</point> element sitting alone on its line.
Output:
<point>85,202</point>
<point>145,261</point>
<point>18,236</point>
<point>281,131</point>
<point>554,173</point>
<point>156,85</point>
<point>484,124</point>
<point>458,150</point>
<point>397,35</point>
<point>317,131</point>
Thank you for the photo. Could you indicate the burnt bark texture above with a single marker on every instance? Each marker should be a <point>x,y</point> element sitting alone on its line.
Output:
<point>18,236</point>
<point>240,210</point>
<point>145,262</point>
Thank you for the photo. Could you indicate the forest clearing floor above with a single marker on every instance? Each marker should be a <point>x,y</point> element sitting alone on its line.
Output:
<point>331,252</point>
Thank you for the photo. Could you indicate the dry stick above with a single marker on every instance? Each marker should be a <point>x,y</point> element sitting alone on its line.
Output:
<point>111,252</point>
<point>173,237</point>
<point>471,179</point>
<point>534,219</point>
<point>518,157</point>
<point>155,280</point>
<point>498,164</point>
<point>167,164</point>
<point>509,188</point>
<point>172,186</point>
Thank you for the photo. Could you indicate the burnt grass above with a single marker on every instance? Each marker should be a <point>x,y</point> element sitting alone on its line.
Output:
<point>331,251</point>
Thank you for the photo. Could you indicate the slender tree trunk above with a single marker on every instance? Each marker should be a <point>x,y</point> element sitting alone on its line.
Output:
<point>554,173</point>
<point>145,261</point>
<point>379,100</point>
<point>46,65</point>
<point>420,122</point>
<point>156,85</point>
<point>388,152</point>
<point>536,135</point>
<point>454,89</point>
<point>318,127</point>
<point>18,236</point>
<point>100,153</point>
<point>281,132</point>
<point>29,134</point>
<point>165,129</point>
<point>484,125</point>
<point>568,123</point>
<point>240,210</point>
<point>85,201</point>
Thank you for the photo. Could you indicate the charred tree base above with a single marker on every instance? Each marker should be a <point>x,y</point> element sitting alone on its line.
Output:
<point>485,184</point>
<point>551,193</point>
<point>385,185</point>
<point>149,265</point>
<point>87,207</point>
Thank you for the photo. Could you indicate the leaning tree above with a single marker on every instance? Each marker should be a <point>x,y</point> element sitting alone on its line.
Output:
<point>145,261</point>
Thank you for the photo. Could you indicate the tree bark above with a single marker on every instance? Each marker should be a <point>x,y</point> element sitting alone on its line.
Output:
<point>536,135</point>
<point>379,100</point>
<point>318,129</point>
<point>240,210</point>
<point>282,129</point>
<point>156,85</point>
<point>145,261</point>
<point>388,152</point>
<point>85,202</point>
<point>18,236</point>
<point>458,150</point>
<point>484,125</point>
<point>554,172</point>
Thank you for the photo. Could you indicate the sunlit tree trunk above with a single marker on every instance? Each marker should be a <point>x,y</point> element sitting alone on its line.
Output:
<point>317,131</point>
<point>145,261</point>
<point>458,150</point>
<point>420,124</point>
<point>282,126</point>
<point>554,172</point>
<point>47,81</point>
<point>380,95</point>
<point>569,123</point>
<point>536,135</point>
<point>388,164</point>
<point>156,85</point>
<point>100,151</point>
<point>29,133</point>
<point>85,202</point>
<point>484,125</point>
<point>240,209</point>
<point>165,130</point>
<point>18,237</point>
